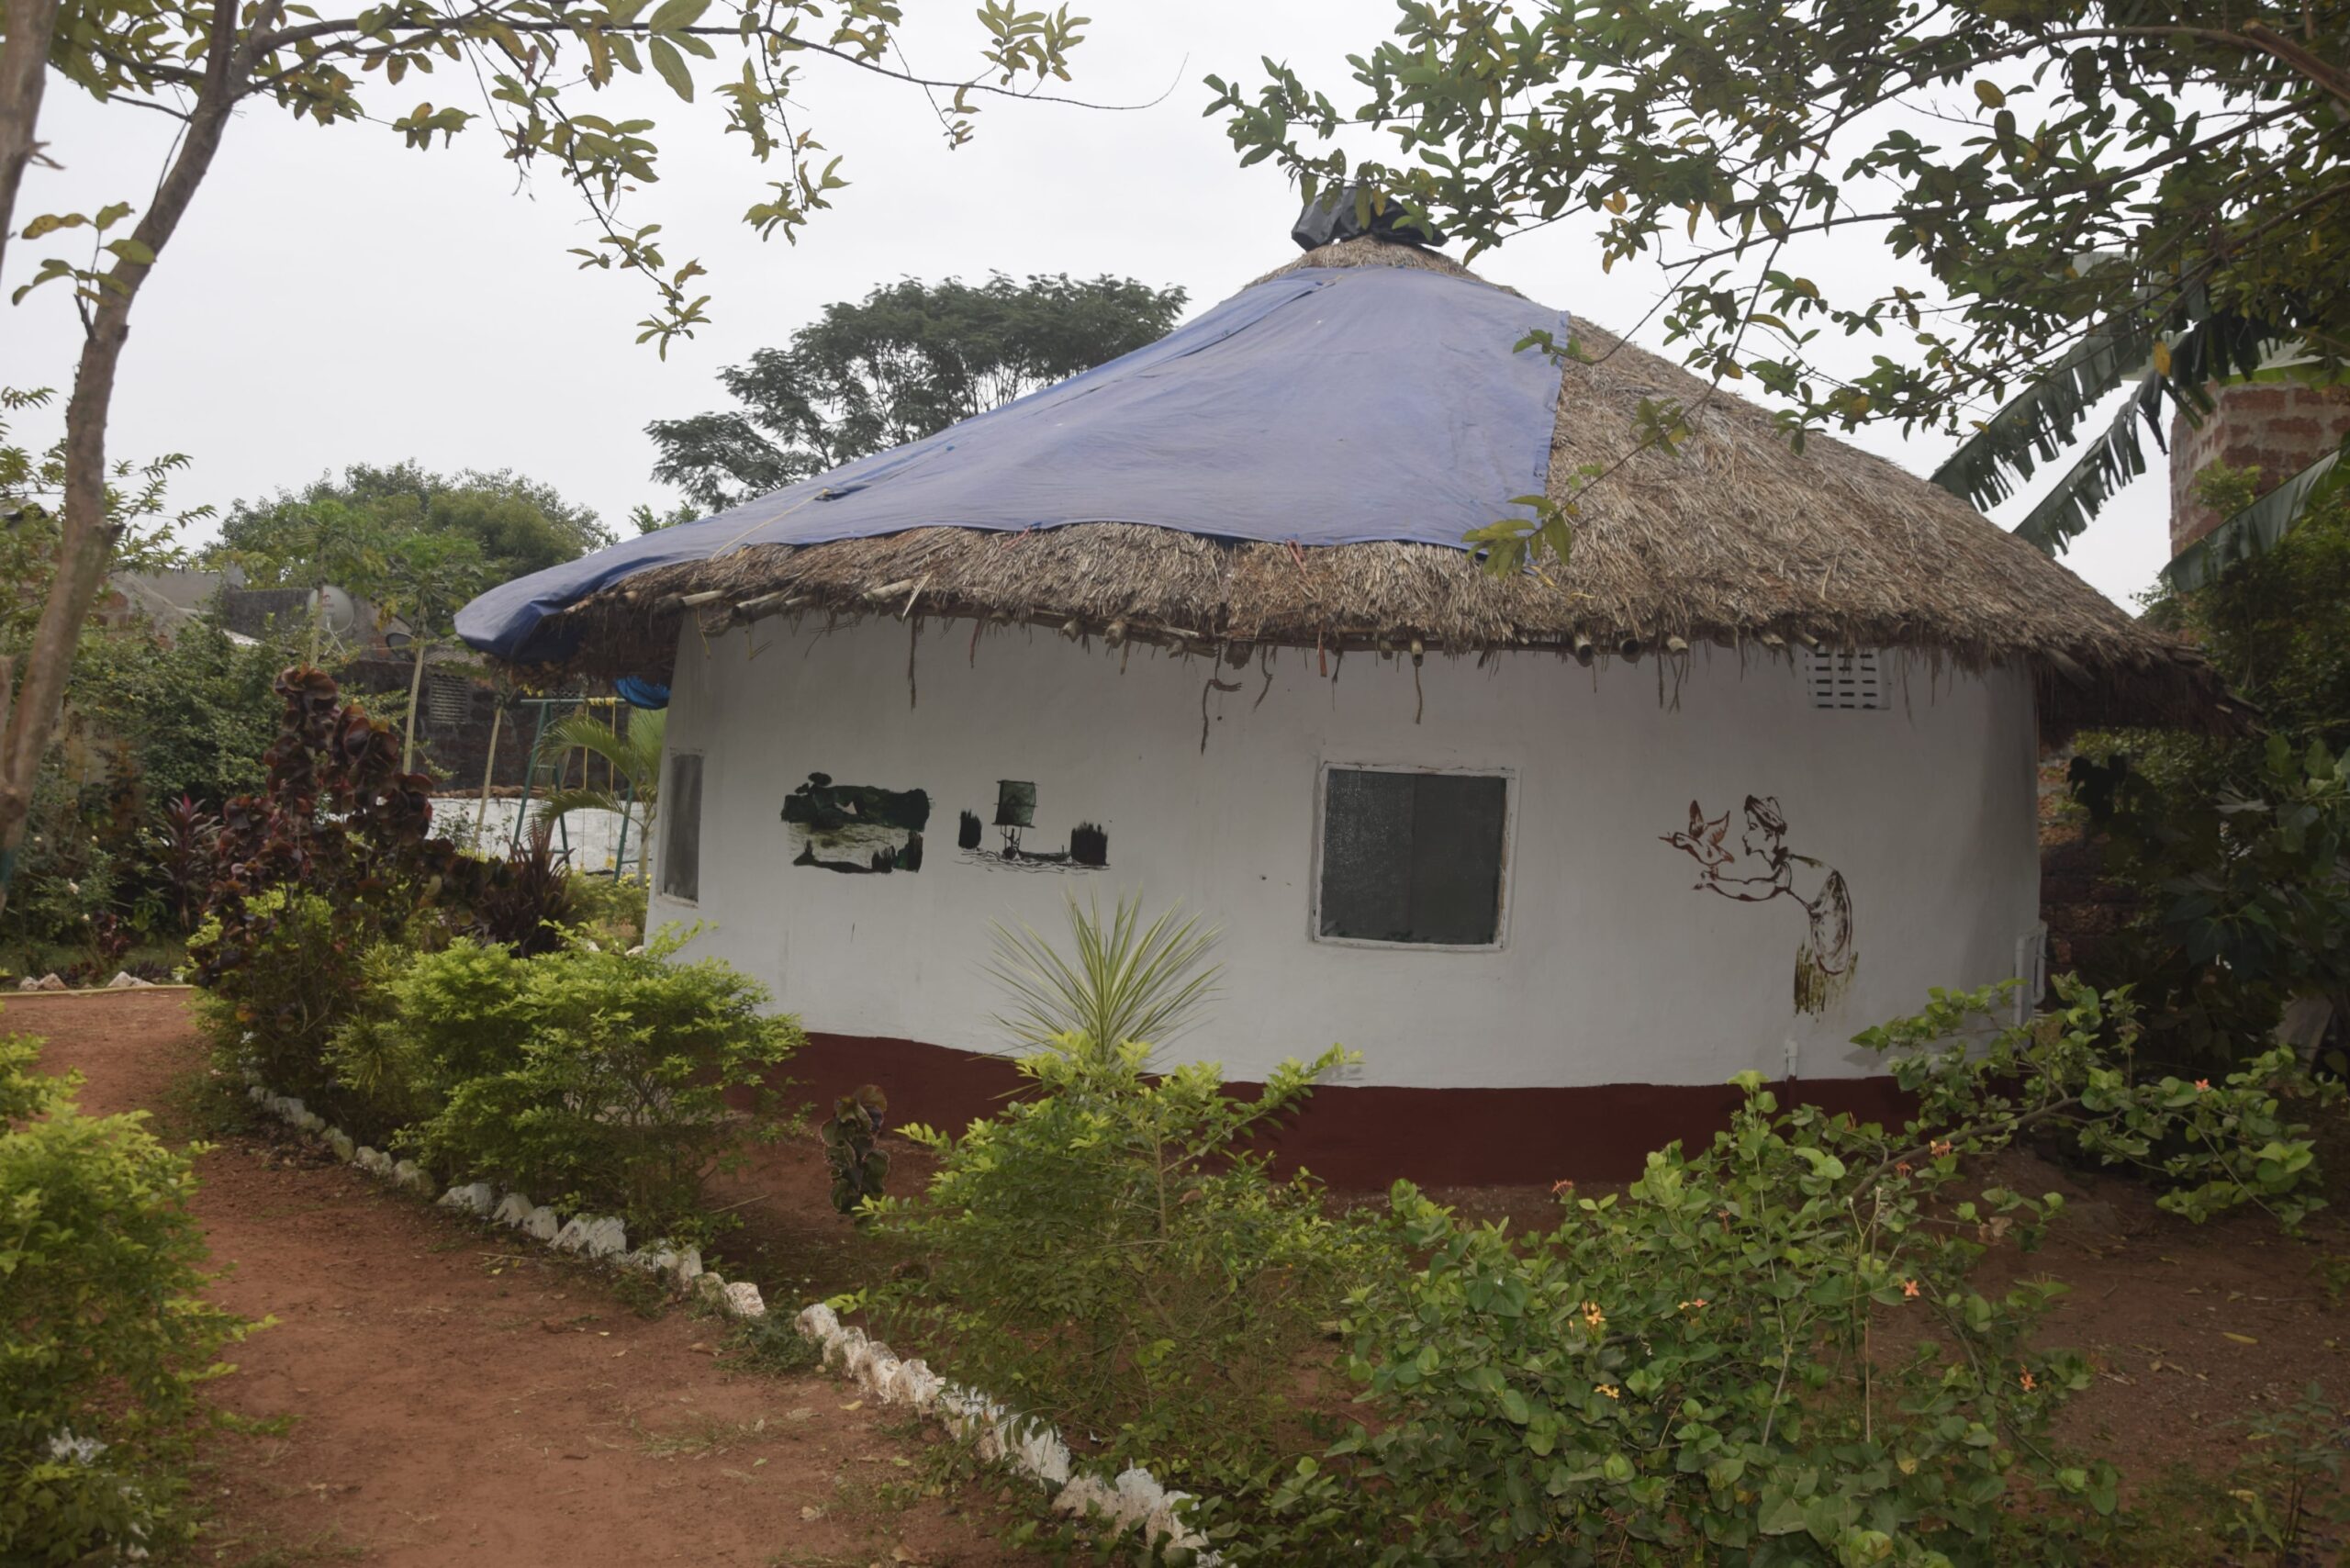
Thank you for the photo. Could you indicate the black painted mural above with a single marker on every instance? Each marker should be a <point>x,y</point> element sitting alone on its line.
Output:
<point>1014,819</point>
<point>1762,869</point>
<point>860,829</point>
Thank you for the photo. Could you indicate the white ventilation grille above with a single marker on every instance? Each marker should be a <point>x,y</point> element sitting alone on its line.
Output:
<point>448,699</point>
<point>1844,681</point>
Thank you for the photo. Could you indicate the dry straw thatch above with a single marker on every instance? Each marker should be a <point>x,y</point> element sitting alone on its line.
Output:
<point>1734,538</point>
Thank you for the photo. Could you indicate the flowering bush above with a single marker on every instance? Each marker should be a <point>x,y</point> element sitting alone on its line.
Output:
<point>103,1339</point>
<point>1773,1351</point>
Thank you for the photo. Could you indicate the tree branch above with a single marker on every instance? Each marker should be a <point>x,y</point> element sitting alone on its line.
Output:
<point>273,42</point>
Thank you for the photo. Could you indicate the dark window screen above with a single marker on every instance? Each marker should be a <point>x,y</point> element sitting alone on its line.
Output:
<point>681,810</point>
<point>1413,856</point>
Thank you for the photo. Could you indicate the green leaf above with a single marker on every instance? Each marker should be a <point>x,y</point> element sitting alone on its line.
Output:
<point>672,66</point>
<point>674,14</point>
<point>2259,526</point>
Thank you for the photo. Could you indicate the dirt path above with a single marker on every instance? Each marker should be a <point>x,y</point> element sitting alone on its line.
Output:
<point>457,1399</point>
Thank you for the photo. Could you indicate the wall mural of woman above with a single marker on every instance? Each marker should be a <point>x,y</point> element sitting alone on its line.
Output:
<point>1763,868</point>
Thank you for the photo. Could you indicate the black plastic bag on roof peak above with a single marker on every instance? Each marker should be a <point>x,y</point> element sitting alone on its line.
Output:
<point>1339,215</point>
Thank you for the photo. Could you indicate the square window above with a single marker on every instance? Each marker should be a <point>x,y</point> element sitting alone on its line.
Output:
<point>1413,857</point>
<point>681,831</point>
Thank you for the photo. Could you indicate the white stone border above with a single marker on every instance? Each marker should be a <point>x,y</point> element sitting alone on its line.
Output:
<point>1028,1444</point>
<point>592,1236</point>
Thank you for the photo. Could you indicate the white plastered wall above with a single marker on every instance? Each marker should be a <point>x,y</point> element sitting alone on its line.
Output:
<point>1615,966</point>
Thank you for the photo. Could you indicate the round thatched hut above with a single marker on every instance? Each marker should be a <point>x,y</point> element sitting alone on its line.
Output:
<point>1558,853</point>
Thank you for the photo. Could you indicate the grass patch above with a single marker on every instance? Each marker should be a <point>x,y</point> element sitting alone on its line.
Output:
<point>698,1438</point>
<point>772,1345</point>
<point>647,1295</point>
<point>877,1496</point>
<point>38,959</point>
<point>202,1104</point>
<point>266,1549</point>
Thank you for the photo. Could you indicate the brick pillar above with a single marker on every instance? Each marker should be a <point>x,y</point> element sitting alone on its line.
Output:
<point>2278,426</point>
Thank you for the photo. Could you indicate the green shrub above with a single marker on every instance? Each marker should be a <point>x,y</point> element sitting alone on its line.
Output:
<point>611,909</point>
<point>191,716</point>
<point>335,861</point>
<point>67,876</point>
<point>588,1078</point>
<point>2244,904</point>
<point>1773,1351</point>
<point>1108,1254</point>
<point>103,1338</point>
<point>275,999</point>
<point>2290,1504</point>
<point>2232,846</point>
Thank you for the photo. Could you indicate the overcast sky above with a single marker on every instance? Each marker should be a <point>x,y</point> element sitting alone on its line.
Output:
<point>333,298</point>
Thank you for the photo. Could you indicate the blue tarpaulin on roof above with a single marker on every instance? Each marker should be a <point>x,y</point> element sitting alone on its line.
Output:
<point>1326,407</point>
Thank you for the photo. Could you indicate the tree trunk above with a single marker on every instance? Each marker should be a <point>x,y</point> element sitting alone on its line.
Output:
<point>489,767</point>
<point>24,70</point>
<point>87,535</point>
<point>415,685</point>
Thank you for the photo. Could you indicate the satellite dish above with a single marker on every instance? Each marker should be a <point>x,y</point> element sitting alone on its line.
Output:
<point>335,610</point>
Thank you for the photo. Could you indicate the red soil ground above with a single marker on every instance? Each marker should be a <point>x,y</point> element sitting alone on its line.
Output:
<point>457,1398</point>
<point>460,1398</point>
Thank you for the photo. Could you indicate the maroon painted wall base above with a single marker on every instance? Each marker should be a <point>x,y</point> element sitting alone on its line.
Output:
<point>1362,1139</point>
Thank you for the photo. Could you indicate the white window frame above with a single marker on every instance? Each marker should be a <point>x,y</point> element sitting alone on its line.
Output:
<point>2031,972</point>
<point>702,810</point>
<point>1508,776</point>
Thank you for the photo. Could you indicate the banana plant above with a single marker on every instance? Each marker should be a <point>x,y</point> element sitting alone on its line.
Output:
<point>2170,355</point>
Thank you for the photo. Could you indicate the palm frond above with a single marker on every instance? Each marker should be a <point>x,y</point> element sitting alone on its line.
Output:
<point>2259,526</point>
<point>1124,984</point>
<point>2037,424</point>
<point>636,755</point>
<point>2115,456</point>
<point>562,802</point>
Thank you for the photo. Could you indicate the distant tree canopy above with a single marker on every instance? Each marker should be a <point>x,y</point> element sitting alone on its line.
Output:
<point>2090,185</point>
<point>529,65</point>
<point>905,362</point>
<point>517,524</point>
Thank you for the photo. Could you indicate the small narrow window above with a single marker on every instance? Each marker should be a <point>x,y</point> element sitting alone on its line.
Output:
<point>1413,857</point>
<point>681,836</point>
<point>2031,972</point>
<point>1844,679</point>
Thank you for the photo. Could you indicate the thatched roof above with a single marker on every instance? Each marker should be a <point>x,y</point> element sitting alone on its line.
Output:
<point>1734,538</point>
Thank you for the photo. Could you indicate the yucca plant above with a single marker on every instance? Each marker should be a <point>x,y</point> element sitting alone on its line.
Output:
<point>1124,984</point>
<point>634,758</point>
